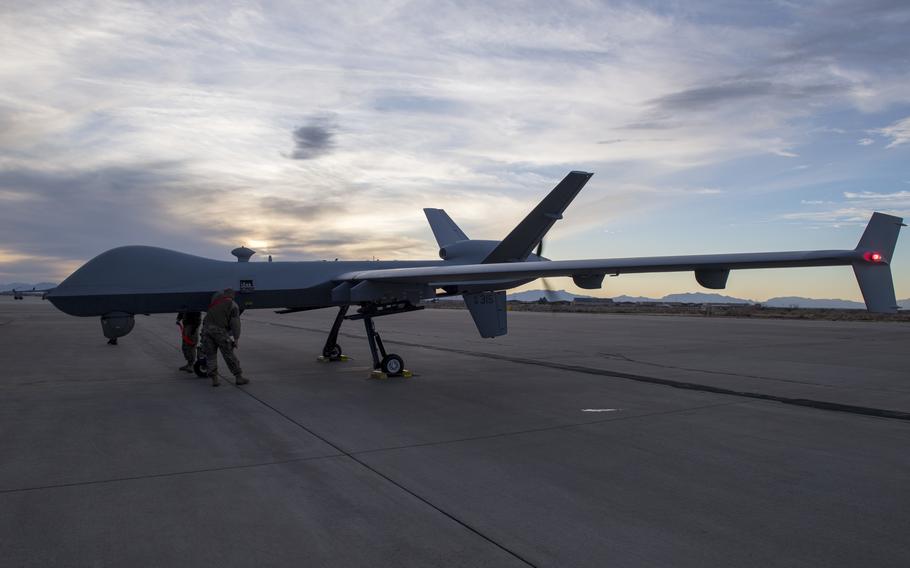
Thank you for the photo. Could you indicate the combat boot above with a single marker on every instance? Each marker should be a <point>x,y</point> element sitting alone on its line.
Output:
<point>188,368</point>
<point>215,381</point>
<point>239,380</point>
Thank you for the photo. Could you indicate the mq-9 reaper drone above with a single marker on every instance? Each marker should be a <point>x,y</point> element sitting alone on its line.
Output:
<point>131,280</point>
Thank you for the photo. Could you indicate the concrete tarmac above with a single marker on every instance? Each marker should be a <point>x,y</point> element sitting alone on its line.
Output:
<point>547,447</point>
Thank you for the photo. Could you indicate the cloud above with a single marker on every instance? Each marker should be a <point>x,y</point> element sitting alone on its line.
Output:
<point>415,104</point>
<point>857,209</point>
<point>313,139</point>
<point>853,33</point>
<point>12,196</point>
<point>842,215</point>
<point>875,196</point>
<point>72,215</point>
<point>711,96</point>
<point>124,124</point>
<point>78,213</point>
<point>295,208</point>
<point>22,267</point>
<point>865,141</point>
<point>899,132</point>
<point>829,130</point>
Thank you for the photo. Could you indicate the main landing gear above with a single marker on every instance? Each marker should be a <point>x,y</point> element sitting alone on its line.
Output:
<point>389,363</point>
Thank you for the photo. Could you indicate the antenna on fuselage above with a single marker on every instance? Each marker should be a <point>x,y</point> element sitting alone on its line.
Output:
<point>243,254</point>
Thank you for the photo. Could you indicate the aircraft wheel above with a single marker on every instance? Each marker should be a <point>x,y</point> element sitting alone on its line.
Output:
<point>333,352</point>
<point>392,365</point>
<point>200,367</point>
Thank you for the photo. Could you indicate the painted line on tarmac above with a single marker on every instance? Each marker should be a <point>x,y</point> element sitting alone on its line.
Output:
<point>804,402</point>
<point>166,474</point>
<point>400,485</point>
<point>547,428</point>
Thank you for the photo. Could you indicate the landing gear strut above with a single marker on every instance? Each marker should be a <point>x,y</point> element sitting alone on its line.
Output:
<point>332,351</point>
<point>389,363</point>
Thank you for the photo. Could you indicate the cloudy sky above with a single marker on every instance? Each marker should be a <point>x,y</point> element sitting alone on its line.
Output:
<point>320,130</point>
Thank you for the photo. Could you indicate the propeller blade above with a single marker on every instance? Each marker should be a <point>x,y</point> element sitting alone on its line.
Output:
<point>548,291</point>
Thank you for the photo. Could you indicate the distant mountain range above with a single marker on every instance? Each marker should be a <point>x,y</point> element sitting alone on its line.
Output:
<point>796,301</point>
<point>702,298</point>
<point>551,296</point>
<point>23,286</point>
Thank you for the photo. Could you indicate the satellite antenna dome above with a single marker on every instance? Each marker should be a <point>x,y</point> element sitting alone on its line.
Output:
<point>243,254</point>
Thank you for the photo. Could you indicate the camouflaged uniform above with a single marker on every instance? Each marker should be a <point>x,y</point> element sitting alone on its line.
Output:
<point>189,322</point>
<point>221,322</point>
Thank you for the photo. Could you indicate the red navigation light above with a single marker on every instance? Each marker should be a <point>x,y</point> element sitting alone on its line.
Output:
<point>874,257</point>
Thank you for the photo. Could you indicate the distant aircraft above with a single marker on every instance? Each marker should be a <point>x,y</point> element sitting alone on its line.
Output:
<point>131,280</point>
<point>20,294</point>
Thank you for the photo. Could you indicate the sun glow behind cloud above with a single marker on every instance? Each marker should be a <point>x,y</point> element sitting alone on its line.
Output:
<point>321,132</point>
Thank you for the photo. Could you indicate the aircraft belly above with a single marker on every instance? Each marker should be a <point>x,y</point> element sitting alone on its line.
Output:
<point>146,280</point>
<point>156,303</point>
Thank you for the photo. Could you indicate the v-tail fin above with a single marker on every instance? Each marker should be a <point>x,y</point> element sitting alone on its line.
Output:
<point>873,273</point>
<point>444,228</point>
<point>517,246</point>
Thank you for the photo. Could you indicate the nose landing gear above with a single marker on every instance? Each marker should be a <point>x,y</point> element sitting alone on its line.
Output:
<point>332,350</point>
<point>200,367</point>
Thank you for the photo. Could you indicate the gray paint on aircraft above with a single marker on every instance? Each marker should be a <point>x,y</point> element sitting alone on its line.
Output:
<point>142,280</point>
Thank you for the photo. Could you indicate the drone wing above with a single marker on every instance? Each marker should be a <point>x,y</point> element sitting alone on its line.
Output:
<point>870,260</point>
